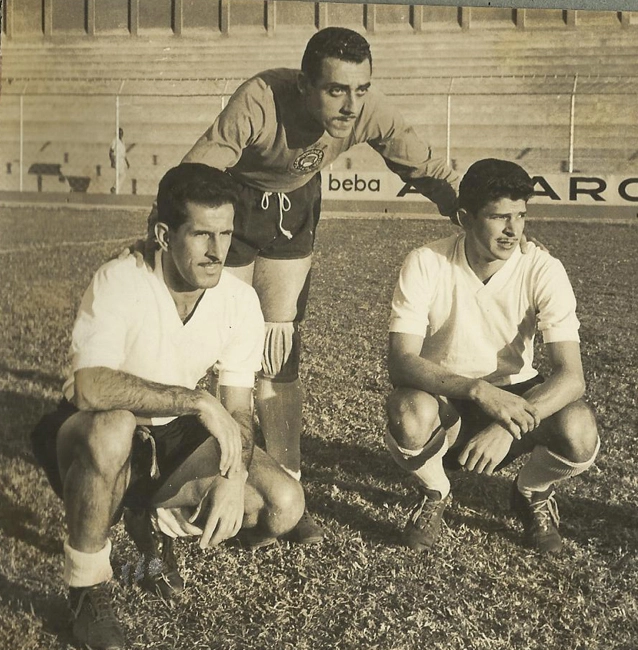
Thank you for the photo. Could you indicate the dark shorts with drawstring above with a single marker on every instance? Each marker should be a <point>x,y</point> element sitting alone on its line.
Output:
<point>151,461</point>
<point>257,231</point>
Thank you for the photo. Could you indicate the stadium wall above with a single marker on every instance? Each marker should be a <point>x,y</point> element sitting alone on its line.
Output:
<point>103,19</point>
<point>554,89</point>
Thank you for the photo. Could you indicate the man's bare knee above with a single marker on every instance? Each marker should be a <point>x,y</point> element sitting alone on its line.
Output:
<point>274,498</point>
<point>576,432</point>
<point>109,439</point>
<point>412,416</point>
<point>288,502</point>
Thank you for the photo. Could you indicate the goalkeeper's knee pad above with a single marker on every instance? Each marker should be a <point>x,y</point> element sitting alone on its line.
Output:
<point>282,349</point>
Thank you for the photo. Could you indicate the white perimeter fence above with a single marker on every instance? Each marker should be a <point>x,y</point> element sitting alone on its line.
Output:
<point>55,134</point>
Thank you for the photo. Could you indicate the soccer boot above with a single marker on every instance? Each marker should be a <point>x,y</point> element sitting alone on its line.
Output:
<point>424,521</point>
<point>540,519</point>
<point>307,531</point>
<point>157,570</point>
<point>94,623</point>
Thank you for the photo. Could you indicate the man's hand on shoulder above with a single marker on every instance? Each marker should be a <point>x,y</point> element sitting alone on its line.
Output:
<point>512,412</point>
<point>486,450</point>
<point>224,428</point>
<point>225,503</point>
<point>143,250</point>
<point>526,241</point>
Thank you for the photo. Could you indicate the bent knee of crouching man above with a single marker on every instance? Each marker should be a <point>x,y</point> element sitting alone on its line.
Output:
<point>277,505</point>
<point>107,439</point>
<point>413,416</point>
<point>287,503</point>
<point>576,432</point>
<point>274,499</point>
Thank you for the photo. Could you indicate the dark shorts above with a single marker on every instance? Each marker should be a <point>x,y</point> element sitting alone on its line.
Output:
<point>173,443</point>
<point>474,419</point>
<point>257,231</point>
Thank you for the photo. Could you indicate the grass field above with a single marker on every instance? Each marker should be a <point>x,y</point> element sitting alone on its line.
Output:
<point>480,590</point>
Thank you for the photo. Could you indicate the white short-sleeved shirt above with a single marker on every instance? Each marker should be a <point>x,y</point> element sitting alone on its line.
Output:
<point>483,330</point>
<point>128,321</point>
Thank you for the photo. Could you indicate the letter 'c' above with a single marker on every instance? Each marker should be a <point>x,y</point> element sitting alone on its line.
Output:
<point>622,189</point>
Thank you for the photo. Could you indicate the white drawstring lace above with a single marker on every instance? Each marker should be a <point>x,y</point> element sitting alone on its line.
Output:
<point>284,206</point>
<point>145,434</point>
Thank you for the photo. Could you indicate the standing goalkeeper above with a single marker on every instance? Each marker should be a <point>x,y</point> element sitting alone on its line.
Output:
<point>277,132</point>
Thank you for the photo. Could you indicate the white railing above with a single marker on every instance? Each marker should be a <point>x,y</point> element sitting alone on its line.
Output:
<point>71,123</point>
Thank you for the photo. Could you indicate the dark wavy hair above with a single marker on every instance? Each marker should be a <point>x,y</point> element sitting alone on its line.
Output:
<point>334,42</point>
<point>492,179</point>
<point>192,183</point>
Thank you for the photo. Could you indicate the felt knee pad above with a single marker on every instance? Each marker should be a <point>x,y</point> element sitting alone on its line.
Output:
<point>282,349</point>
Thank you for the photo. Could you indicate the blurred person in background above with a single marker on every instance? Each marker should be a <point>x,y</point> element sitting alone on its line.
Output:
<point>119,162</point>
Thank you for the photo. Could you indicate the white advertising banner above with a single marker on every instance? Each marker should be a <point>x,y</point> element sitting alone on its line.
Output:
<point>571,189</point>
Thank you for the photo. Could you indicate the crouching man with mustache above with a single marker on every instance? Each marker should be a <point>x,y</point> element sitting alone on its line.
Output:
<point>136,433</point>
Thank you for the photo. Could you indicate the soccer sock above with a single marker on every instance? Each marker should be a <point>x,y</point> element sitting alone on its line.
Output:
<point>425,464</point>
<point>87,569</point>
<point>279,405</point>
<point>545,468</point>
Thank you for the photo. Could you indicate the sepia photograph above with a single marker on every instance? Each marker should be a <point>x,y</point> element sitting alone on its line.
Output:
<point>369,379</point>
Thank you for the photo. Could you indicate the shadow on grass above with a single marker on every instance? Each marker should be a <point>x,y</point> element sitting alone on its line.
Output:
<point>340,467</point>
<point>23,524</point>
<point>45,379</point>
<point>52,611</point>
<point>583,520</point>
<point>352,516</point>
<point>337,456</point>
<point>480,502</point>
<point>19,413</point>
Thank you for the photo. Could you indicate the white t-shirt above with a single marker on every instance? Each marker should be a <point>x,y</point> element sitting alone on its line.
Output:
<point>128,321</point>
<point>483,330</point>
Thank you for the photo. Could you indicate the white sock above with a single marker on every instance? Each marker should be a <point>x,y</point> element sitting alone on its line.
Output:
<point>425,464</point>
<point>545,468</point>
<point>296,475</point>
<point>87,569</point>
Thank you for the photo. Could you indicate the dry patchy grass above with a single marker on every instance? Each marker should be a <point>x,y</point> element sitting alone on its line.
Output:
<point>480,590</point>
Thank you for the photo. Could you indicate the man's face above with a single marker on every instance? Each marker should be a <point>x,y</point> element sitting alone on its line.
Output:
<point>197,250</point>
<point>496,230</point>
<point>335,100</point>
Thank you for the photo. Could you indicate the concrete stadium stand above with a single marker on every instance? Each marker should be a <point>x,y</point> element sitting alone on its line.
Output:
<point>494,113</point>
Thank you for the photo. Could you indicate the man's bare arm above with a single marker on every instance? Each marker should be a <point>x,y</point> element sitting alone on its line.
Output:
<point>225,501</point>
<point>238,402</point>
<point>105,389</point>
<point>409,370</point>
<point>565,385</point>
<point>488,448</point>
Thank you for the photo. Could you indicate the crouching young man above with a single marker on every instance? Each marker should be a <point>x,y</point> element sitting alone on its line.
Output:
<point>135,431</point>
<point>464,315</point>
